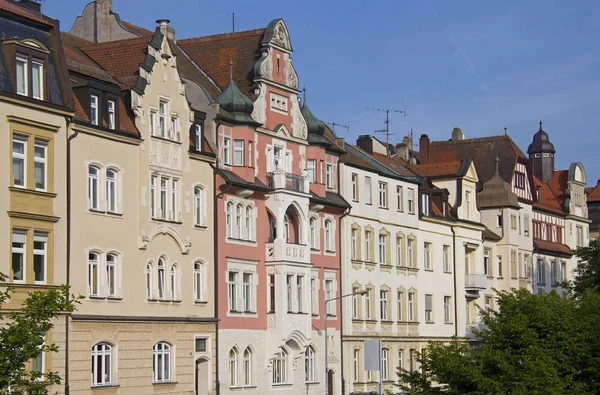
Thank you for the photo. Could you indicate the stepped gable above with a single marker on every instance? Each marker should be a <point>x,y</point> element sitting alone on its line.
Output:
<point>481,151</point>
<point>213,53</point>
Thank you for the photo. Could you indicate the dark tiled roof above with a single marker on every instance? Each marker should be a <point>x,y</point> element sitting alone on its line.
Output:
<point>482,151</point>
<point>354,156</point>
<point>213,53</point>
<point>489,235</point>
<point>397,164</point>
<point>17,9</point>
<point>233,179</point>
<point>552,248</point>
<point>330,199</point>
<point>189,70</point>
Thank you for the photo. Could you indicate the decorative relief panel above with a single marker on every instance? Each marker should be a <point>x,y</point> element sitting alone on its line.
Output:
<point>291,78</point>
<point>299,128</point>
<point>260,107</point>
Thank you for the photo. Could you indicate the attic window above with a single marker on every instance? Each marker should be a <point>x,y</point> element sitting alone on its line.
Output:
<point>425,203</point>
<point>279,103</point>
<point>112,116</point>
<point>29,75</point>
<point>519,180</point>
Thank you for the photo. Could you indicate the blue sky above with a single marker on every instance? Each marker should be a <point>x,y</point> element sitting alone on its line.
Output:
<point>477,65</point>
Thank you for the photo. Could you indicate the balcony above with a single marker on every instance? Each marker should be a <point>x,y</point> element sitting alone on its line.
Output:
<point>280,179</point>
<point>473,284</point>
<point>282,251</point>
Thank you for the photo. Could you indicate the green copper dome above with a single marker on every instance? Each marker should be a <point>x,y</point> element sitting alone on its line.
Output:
<point>314,125</point>
<point>236,103</point>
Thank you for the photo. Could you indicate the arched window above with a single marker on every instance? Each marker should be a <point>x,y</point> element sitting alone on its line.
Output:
<point>286,228</point>
<point>229,219</point>
<point>149,281</point>
<point>280,368</point>
<point>101,364</point>
<point>93,273</point>
<point>238,222</point>
<point>328,236</point>
<point>175,283</point>
<point>233,359</point>
<point>309,365</point>
<point>161,362</point>
<point>93,189</point>
<point>111,191</point>
<point>247,367</point>
<point>248,223</point>
<point>313,233</point>
<point>198,206</point>
<point>384,364</point>
<point>161,278</point>
<point>198,282</point>
<point>111,275</point>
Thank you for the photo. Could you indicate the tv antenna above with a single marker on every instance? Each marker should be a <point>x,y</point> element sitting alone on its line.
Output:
<point>387,112</point>
<point>334,124</point>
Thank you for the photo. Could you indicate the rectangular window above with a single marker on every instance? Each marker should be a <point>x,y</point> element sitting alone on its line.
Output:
<point>427,256</point>
<point>226,150</point>
<point>356,366</point>
<point>174,200</point>
<point>19,161</point>
<point>411,307</point>
<point>525,265</point>
<point>399,251</point>
<point>247,292</point>
<point>311,168</point>
<point>290,292</point>
<point>410,253</point>
<point>329,175</point>
<point>238,152</point>
<point>40,164</point>
<point>383,305</point>
<point>468,204</point>
<point>162,119</point>
<point>355,187</point>
<point>22,74</point>
<point>232,279</point>
<point>153,123</point>
<point>355,300</point>
<point>279,103</point>
<point>153,196</point>
<point>19,251</point>
<point>368,304</point>
<point>411,201</point>
<point>400,198</point>
<point>300,293</point>
<point>513,222</point>
<point>368,192</point>
<point>329,295</point>
<point>40,249</point>
<point>400,306</point>
<point>94,114</point>
<point>513,264</point>
<point>499,218</point>
<point>198,137</point>
<point>383,197</point>
<point>174,129</point>
<point>354,244</point>
<point>162,213</point>
<point>111,114</point>
<point>487,268</point>
<point>446,257</point>
<point>37,78</point>
<point>314,296</point>
<point>526,224</point>
<point>541,275</point>
<point>401,360</point>
<point>368,246</point>
<point>271,293</point>
<point>429,308</point>
<point>499,259</point>
<point>425,203</point>
<point>382,249</point>
<point>447,309</point>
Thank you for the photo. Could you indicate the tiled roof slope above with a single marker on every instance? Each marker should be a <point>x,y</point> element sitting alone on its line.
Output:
<point>79,62</point>
<point>546,199</point>
<point>140,31</point>
<point>437,169</point>
<point>121,58</point>
<point>213,53</point>
<point>558,184</point>
<point>190,71</point>
<point>19,10</point>
<point>481,150</point>
<point>397,164</point>
<point>593,193</point>
<point>557,248</point>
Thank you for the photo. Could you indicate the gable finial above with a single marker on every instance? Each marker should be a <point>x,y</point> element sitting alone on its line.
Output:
<point>540,125</point>
<point>304,98</point>
<point>497,163</point>
<point>505,130</point>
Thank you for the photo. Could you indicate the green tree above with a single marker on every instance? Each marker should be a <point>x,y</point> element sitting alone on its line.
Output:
<point>21,338</point>
<point>534,344</point>
<point>587,273</point>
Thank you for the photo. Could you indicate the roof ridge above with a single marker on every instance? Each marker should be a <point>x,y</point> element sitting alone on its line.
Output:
<point>473,139</point>
<point>223,35</point>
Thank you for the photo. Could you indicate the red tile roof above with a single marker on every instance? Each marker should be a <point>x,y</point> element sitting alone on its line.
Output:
<point>187,69</point>
<point>437,169</point>
<point>79,62</point>
<point>126,122</point>
<point>213,53</point>
<point>548,246</point>
<point>593,193</point>
<point>140,31</point>
<point>21,11</point>
<point>558,184</point>
<point>399,165</point>
<point>546,200</point>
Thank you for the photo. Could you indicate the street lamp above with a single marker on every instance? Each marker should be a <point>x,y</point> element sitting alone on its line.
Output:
<point>363,292</point>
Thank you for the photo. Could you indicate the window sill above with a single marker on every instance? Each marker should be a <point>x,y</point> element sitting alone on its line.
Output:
<point>297,312</point>
<point>447,272</point>
<point>200,301</point>
<point>168,221</point>
<point>448,323</point>
<point>428,270</point>
<point>96,297</point>
<point>330,251</point>
<point>104,387</point>
<point>281,384</point>
<point>96,211</point>
<point>33,191</point>
<point>331,315</point>
<point>165,383</point>
<point>311,382</point>
<point>165,139</point>
<point>500,278</point>
<point>115,298</point>
<point>203,227</point>
<point>430,322</point>
<point>114,214</point>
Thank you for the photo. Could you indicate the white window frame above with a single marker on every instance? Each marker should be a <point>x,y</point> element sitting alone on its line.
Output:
<point>329,175</point>
<point>400,197</point>
<point>198,281</point>
<point>112,114</point>
<point>39,64</point>
<point>329,236</point>
<point>94,110</point>
<point>279,375</point>
<point>354,244</point>
<point>41,237</point>
<point>162,118</point>
<point>111,275</point>
<point>368,191</point>
<point>21,158</point>
<point>309,365</point>
<point>428,307</point>
<point>446,259</point>
<point>42,161</point>
<point>227,150</point>
<point>198,205</point>
<point>238,153</point>
<point>94,187</point>
<point>411,306</point>
<point>468,204</point>
<point>233,367</point>
<point>425,204</point>
<point>279,103</point>
<point>384,364</point>
<point>161,268</point>
<point>101,354</point>
<point>22,60</point>
<point>232,291</point>
<point>19,237</point>
<point>247,366</point>
<point>161,363</point>
<point>111,190</point>
<point>355,191</point>
<point>248,292</point>
<point>383,195</point>
<point>311,169</point>
<point>427,251</point>
<point>411,201</point>
<point>447,309</point>
<point>382,249</point>
<point>383,305</point>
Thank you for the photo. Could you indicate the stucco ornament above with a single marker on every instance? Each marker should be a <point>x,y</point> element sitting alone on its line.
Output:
<point>280,37</point>
<point>266,67</point>
<point>299,128</point>
<point>291,78</point>
<point>260,105</point>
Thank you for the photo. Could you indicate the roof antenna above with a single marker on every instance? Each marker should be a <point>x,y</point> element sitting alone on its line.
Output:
<point>233,22</point>
<point>387,123</point>
<point>540,125</point>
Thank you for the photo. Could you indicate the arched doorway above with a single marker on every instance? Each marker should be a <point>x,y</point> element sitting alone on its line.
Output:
<point>202,377</point>
<point>330,382</point>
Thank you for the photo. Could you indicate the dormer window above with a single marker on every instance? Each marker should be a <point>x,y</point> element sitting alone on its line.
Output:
<point>425,203</point>
<point>468,204</point>
<point>94,109</point>
<point>112,114</point>
<point>198,137</point>
<point>30,76</point>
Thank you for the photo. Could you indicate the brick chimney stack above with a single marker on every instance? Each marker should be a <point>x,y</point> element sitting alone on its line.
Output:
<point>424,148</point>
<point>365,142</point>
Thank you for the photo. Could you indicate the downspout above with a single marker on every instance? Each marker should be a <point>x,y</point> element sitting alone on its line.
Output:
<point>345,213</point>
<point>69,138</point>
<point>455,288</point>
<point>216,260</point>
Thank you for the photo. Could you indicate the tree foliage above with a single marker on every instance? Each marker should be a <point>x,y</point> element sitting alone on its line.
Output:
<point>587,273</point>
<point>534,344</point>
<point>21,340</point>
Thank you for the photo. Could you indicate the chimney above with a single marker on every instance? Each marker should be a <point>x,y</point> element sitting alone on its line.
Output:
<point>31,5</point>
<point>165,29</point>
<point>424,148</point>
<point>365,142</point>
<point>457,134</point>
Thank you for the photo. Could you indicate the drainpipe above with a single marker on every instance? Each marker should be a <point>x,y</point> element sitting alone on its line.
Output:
<point>215,263</point>
<point>454,271</point>
<point>69,139</point>
<point>345,213</point>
